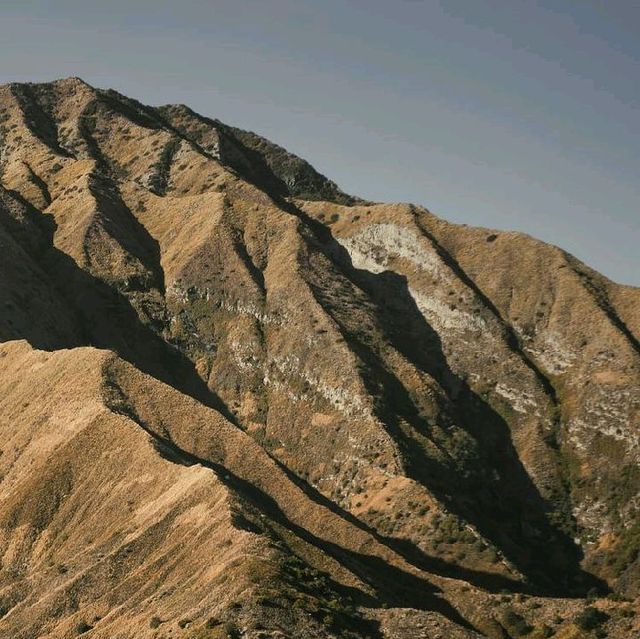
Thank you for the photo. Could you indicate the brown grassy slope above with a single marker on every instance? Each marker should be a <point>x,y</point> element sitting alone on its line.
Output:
<point>471,396</point>
<point>97,527</point>
<point>112,527</point>
<point>145,509</point>
<point>548,343</point>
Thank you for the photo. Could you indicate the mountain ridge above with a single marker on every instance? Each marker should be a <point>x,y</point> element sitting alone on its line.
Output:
<point>462,403</point>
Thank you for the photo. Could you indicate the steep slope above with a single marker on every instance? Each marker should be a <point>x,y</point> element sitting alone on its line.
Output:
<point>98,529</point>
<point>127,506</point>
<point>536,336</point>
<point>387,401</point>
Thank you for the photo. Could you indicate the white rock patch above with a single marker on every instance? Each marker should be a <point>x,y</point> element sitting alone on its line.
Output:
<point>555,355</point>
<point>374,247</point>
<point>520,401</point>
<point>442,316</point>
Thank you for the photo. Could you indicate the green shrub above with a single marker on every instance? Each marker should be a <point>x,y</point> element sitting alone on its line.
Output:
<point>83,627</point>
<point>515,624</point>
<point>590,618</point>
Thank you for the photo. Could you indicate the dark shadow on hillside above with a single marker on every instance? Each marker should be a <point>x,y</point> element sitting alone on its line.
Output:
<point>134,238</point>
<point>600,296</point>
<point>510,335</point>
<point>408,550</point>
<point>259,161</point>
<point>491,489</point>
<point>104,315</point>
<point>38,118</point>
<point>393,586</point>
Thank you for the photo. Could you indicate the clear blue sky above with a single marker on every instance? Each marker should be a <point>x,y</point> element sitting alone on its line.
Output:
<point>514,114</point>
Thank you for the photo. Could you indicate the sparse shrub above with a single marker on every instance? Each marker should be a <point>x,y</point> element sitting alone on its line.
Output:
<point>83,627</point>
<point>616,596</point>
<point>590,618</point>
<point>231,630</point>
<point>515,624</point>
<point>328,620</point>
<point>154,622</point>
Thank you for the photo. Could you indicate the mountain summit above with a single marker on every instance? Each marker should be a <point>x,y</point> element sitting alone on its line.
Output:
<point>238,402</point>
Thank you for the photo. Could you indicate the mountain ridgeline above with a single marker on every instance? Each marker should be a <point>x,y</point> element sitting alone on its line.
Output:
<point>236,401</point>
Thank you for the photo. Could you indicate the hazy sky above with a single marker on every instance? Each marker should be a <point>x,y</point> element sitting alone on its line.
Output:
<point>514,114</point>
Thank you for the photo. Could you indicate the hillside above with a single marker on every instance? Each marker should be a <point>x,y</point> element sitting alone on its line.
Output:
<point>238,402</point>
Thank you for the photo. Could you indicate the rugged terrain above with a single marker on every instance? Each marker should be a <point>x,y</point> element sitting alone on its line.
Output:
<point>238,402</point>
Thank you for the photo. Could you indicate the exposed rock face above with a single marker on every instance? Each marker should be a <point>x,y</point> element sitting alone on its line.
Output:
<point>235,401</point>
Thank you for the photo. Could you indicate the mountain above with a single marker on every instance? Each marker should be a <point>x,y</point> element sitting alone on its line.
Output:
<point>239,402</point>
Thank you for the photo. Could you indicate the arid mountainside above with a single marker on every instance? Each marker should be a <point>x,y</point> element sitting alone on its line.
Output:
<point>238,402</point>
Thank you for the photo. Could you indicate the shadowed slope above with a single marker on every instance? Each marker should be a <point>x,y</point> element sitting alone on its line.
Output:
<point>401,412</point>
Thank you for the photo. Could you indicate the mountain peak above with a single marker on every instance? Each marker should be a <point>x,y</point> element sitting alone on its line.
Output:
<point>255,158</point>
<point>236,401</point>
